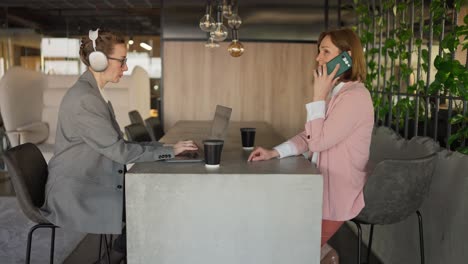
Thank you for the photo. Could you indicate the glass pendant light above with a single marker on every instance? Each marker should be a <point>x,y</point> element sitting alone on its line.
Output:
<point>207,23</point>
<point>220,33</point>
<point>227,9</point>
<point>211,43</point>
<point>236,49</point>
<point>234,21</point>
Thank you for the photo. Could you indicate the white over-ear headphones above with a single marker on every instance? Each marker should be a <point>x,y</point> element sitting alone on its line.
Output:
<point>97,59</point>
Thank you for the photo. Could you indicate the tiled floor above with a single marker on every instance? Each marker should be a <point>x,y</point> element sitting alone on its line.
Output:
<point>87,251</point>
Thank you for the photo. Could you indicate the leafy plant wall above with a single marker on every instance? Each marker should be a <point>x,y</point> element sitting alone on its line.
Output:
<point>418,86</point>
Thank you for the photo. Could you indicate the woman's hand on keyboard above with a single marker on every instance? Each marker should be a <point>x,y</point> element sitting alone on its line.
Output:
<point>182,146</point>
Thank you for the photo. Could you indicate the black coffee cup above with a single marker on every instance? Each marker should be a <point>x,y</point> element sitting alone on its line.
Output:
<point>248,137</point>
<point>213,149</point>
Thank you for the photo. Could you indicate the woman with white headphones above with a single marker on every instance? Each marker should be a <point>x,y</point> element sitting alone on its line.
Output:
<point>84,189</point>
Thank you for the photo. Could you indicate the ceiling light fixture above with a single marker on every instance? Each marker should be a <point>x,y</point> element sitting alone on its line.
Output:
<point>145,46</point>
<point>218,32</point>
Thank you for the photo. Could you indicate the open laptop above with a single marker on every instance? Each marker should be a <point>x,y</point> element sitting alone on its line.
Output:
<point>218,130</point>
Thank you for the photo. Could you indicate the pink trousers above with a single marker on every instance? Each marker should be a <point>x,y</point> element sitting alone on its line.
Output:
<point>329,228</point>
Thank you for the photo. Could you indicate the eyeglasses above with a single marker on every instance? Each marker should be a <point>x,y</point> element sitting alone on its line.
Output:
<point>122,61</point>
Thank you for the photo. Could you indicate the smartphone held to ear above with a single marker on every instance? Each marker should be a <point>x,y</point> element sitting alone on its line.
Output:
<point>345,62</point>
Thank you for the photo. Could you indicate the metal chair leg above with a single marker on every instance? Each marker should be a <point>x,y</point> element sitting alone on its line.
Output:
<point>421,236</point>
<point>100,247</point>
<point>359,242</point>
<point>107,249</point>
<point>52,241</point>
<point>107,245</point>
<point>110,242</point>
<point>369,248</point>
<point>52,245</point>
<point>28,248</point>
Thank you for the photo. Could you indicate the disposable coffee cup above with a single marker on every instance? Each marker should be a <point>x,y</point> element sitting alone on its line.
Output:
<point>248,137</point>
<point>213,149</point>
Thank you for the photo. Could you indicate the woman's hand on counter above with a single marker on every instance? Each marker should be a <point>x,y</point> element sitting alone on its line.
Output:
<point>260,153</point>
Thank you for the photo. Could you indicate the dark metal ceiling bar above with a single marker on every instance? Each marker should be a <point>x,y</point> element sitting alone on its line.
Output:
<point>150,5</point>
<point>22,21</point>
<point>109,4</point>
<point>129,4</point>
<point>69,4</point>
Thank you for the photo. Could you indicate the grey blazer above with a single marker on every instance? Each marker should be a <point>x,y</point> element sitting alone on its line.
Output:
<point>84,190</point>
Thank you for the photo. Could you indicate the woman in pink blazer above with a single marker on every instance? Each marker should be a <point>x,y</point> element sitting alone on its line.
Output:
<point>340,118</point>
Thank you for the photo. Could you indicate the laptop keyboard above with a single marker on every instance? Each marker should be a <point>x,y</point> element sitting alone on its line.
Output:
<point>190,154</point>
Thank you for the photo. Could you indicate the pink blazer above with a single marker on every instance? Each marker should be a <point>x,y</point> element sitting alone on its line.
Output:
<point>343,140</point>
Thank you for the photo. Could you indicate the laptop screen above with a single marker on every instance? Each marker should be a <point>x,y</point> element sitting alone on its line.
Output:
<point>220,122</point>
<point>219,127</point>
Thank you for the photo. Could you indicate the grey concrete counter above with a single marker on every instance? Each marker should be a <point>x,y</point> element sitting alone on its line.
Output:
<point>232,162</point>
<point>242,212</point>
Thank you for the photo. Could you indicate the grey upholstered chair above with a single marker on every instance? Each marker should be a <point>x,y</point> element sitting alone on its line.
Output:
<point>137,133</point>
<point>28,172</point>
<point>399,179</point>
<point>135,117</point>
<point>153,124</point>
<point>3,143</point>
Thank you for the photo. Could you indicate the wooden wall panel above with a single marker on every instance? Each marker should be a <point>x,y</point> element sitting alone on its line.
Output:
<point>271,82</point>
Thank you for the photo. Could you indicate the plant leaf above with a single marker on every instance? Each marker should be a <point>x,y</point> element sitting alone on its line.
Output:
<point>457,119</point>
<point>453,138</point>
<point>463,150</point>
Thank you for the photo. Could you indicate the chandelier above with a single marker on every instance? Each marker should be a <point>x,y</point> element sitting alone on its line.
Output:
<point>226,10</point>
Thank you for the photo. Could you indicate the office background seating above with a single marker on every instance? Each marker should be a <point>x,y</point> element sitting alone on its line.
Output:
<point>137,133</point>
<point>3,143</point>
<point>135,117</point>
<point>154,126</point>
<point>399,180</point>
<point>29,102</point>
<point>21,105</point>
